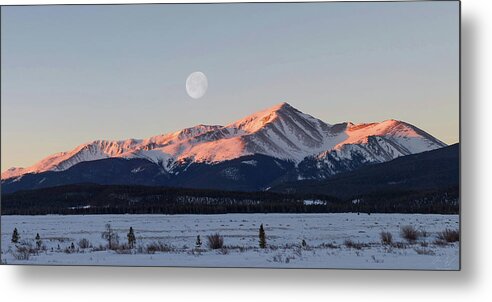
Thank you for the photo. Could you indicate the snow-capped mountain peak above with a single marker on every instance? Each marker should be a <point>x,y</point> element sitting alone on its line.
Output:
<point>258,120</point>
<point>280,131</point>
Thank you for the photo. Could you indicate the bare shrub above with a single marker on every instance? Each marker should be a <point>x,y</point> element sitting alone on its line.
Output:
<point>157,246</point>
<point>354,245</point>
<point>215,241</point>
<point>409,233</point>
<point>329,245</point>
<point>59,239</point>
<point>84,243</point>
<point>424,251</point>
<point>386,238</point>
<point>21,255</point>
<point>441,243</point>
<point>123,252</point>
<point>283,259</point>
<point>123,249</point>
<point>289,246</point>
<point>297,251</point>
<point>242,248</point>
<point>99,248</point>
<point>449,235</point>
<point>110,236</point>
<point>23,252</point>
<point>399,245</point>
<point>124,246</point>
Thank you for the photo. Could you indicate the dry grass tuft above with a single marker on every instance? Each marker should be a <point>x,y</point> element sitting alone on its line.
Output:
<point>409,233</point>
<point>449,235</point>
<point>386,238</point>
<point>215,241</point>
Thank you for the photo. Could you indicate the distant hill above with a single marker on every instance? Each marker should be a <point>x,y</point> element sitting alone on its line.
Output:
<point>437,169</point>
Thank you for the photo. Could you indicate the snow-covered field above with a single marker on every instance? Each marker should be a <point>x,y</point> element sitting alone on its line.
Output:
<point>325,236</point>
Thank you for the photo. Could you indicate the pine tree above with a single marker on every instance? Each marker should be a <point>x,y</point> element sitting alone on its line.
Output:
<point>38,241</point>
<point>262,237</point>
<point>131,238</point>
<point>198,242</point>
<point>15,236</point>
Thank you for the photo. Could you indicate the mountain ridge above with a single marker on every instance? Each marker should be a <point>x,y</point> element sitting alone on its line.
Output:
<point>427,182</point>
<point>434,169</point>
<point>280,131</point>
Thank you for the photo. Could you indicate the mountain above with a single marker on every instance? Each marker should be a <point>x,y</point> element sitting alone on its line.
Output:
<point>437,169</point>
<point>280,131</point>
<point>427,182</point>
<point>297,144</point>
<point>110,171</point>
<point>248,173</point>
<point>366,144</point>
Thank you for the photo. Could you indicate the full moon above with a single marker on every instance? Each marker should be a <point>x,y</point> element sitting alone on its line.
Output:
<point>196,84</point>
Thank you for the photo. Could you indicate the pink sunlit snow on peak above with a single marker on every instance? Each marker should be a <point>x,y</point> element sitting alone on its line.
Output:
<point>280,131</point>
<point>258,120</point>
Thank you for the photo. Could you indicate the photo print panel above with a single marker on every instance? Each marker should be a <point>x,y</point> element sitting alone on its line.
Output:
<point>258,135</point>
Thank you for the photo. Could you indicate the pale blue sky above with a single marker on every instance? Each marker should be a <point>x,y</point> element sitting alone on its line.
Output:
<point>72,74</point>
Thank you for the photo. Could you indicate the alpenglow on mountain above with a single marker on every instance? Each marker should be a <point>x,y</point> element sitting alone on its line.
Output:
<point>301,145</point>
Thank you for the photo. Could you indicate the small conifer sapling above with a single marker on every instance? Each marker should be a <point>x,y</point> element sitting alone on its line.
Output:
<point>262,237</point>
<point>38,241</point>
<point>198,242</point>
<point>15,236</point>
<point>131,238</point>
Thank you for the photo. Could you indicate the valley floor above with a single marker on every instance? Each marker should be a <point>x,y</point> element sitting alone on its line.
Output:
<point>346,240</point>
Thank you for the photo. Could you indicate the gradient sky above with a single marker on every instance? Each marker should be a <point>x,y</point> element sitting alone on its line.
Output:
<point>72,74</point>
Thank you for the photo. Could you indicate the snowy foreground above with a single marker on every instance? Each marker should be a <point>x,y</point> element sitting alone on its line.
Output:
<point>325,236</point>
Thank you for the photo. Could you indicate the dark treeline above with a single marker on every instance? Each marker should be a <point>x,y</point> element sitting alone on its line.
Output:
<point>444,201</point>
<point>101,199</point>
